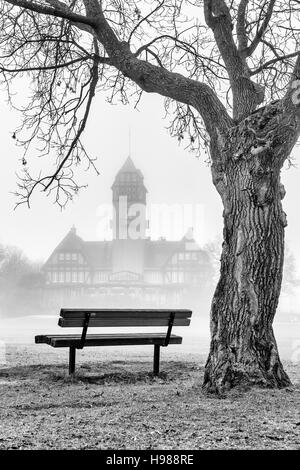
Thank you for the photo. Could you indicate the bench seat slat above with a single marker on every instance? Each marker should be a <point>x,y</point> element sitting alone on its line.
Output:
<point>121,339</point>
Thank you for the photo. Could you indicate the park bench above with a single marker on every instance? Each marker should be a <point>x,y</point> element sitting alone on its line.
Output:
<point>87,318</point>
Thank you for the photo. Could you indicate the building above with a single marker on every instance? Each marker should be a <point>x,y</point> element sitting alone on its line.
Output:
<point>131,269</point>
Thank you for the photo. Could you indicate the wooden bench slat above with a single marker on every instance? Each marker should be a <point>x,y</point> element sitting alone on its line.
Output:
<point>132,314</point>
<point>121,339</point>
<point>122,322</point>
<point>108,311</point>
<point>103,315</point>
<point>43,338</point>
<point>113,335</point>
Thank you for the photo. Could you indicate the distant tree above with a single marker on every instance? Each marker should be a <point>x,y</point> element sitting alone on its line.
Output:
<point>2,255</point>
<point>20,282</point>
<point>13,267</point>
<point>216,62</point>
<point>291,280</point>
<point>214,251</point>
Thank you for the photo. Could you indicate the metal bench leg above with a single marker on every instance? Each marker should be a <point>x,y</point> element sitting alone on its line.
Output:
<point>72,358</point>
<point>156,359</point>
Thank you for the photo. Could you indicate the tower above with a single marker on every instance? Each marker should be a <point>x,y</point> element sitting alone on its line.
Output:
<point>129,202</point>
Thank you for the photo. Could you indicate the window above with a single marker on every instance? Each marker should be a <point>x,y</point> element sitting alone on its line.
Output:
<point>80,276</point>
<point>101,276</point>
<point>68,256</point>
<point>177,277</point>
<point>68,276</point>
<point>74,276</point>
<point>61,276</point>
<point>181,256</point>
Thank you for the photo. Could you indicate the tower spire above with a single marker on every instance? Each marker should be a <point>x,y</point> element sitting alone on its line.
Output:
<point>129,141</point>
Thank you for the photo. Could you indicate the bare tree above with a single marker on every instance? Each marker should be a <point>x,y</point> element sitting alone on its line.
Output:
<point>20,283</point>
<point>216,62</point>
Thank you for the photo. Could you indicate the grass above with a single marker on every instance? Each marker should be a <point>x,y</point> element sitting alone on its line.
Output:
<point>119,404</point>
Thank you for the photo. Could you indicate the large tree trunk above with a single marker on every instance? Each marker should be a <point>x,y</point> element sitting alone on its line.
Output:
<point>243,347</point>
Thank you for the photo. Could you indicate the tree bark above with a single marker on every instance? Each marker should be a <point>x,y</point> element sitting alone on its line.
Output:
<point>243,347</point>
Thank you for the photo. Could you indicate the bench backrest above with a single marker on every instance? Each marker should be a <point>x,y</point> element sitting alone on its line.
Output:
<point>123,317</point>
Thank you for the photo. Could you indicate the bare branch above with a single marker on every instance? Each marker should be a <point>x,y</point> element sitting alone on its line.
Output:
<point>240,26</point>
<point>209,18</point>
<point>261,31</point>
<point>38,68</point>
<point>273,62</point>
<point>92,90</point>
<point>56,11</point>
<point>146,18</point>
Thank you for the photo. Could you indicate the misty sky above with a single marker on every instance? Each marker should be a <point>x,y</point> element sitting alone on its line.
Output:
<point>172,175</point>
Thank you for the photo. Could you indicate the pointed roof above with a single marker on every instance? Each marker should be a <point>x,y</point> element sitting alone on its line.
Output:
<point>71,241</point>
<point>189,235</point>
<point>128,166</point>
